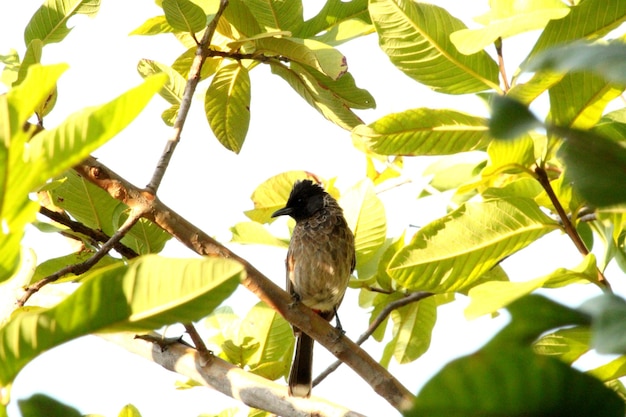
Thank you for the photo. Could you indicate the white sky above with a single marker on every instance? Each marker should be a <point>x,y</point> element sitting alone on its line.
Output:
<point>210,186</point>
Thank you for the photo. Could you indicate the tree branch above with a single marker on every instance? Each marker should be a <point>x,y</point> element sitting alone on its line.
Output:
<point>202,52</point>
<point>302,317</point>
<point>251,389</point>
<point>569,228</point>
<point>385,312</point>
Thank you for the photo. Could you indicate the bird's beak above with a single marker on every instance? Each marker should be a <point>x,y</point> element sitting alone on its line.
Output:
<point>282,212</point>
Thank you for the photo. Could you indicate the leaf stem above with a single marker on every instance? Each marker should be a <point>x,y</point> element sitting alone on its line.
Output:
<point>570,230</point>
<point>505,80</point>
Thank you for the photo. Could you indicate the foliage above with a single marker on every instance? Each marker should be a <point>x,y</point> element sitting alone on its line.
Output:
<point>551,157</point>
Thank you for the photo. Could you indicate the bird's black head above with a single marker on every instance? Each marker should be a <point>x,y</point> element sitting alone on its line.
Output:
<point>305,199</point>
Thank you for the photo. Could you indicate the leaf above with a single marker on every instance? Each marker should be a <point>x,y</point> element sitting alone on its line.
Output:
<point>610,371</point>
<point>129,410</point>
<point>54,265</point>
<point>275,341</point>
<point>497,384</point>
<point>451,253</point>
<point>506,19</point>
<point>514,155</point>
<point>412,330</point>
<point>565,344</point>
<point>149,293</point>
<point>40,404</point>
<point>415,36</point>
<point>227,106</point>
<point>308,84</point>
<point>589,19</point>
<point>273,193</point>
<point>365,214</point>
<point>49,23</point>
<point>607,60</point>
<point>608,331</point>
<point>491,296</point>
<point>337,22</point>
<point>595,165</point>
<point>277,14</point>
<point>579,100</point>
<point>238,16</point>
<point>510,118</point>
<point>424,131</point>
<point>183,63</point>
<point>172,91</point>
<point>255,233</point>
<point>153,26</point>
<point>183,15</point>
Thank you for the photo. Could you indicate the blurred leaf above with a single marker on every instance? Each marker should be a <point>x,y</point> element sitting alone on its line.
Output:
<point>275,341</point>
<point>338,21</point>
<point>510,118</point>
<point>273,193</point>
<point>506,19</point>
<point>227,106</point>
<point>49,23</point>
<point>365,214</point>
<point>416,37</point>
<point>38,405</point>
<point>424,132</point>
<point>595,165</point>
<point>255,233</point>
<point>129,410</point>
<point>611,370</point>
<point>608,314</point>
<point>183,15</point>
<point>454,170</point>
<point>491,296</point>
<point>11,67</point>
<point>589,19</point>
<point>153,26</point>
<point>451,253</point>
<point>149,293</point>
<point>317,91</point>
<point>565,344</point>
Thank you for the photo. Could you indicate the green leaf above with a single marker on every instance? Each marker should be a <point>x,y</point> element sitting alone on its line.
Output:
<point>416,37</point>
<point>227,106</point>
<point>514,155</point>
<point>491,296</point>
<point>590,19</point>
<point>172,91</point>
<point>490,383</point>
<point>183,15</point>
<point>276,15</point>
<point>149,293</point>
<point>11,68</point>
<point>274,337</point>
<point>412,330</point>
<point>49,23</point>
<point>607,60</point>
<point>95,208</point>
<point>183,63</point>
<point>55,150</point>
<point>365,214</point>
<point>579,100</point>
<point>451,253</point>
<point>610,371</point>
<point>42,405</point>
<point>273,193</point>
<point>540,82</point>
<point>310,86</point>
<point>255,233</point>
<point>565,344</point>
<point>129,410</point>
<point>31,56</point>
<point>424,131</point>
<point>238,16</point>
<point>595,165</point>
<point>506,19</point>
<point>51,266</point>
<point>337,22</point>
<point>510,118</point>
<point>153,26</point>
<point>608,313</point>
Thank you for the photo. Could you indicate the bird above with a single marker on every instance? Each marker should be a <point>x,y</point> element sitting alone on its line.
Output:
<point>320,260</point>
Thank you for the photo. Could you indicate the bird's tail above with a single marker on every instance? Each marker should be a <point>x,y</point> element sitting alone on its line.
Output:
<point>301,369</point>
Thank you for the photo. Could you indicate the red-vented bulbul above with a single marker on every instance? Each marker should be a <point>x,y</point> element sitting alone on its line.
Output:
<point>319,263</point>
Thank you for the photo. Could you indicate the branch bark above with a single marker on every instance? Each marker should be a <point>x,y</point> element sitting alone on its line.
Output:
<point>228,379</point>
<point>302,317</point>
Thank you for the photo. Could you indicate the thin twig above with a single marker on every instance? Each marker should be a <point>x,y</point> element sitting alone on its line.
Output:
<point>96,235</point>
<point>382,316</point>
<point>198,343</point>
<point>569,228</point>
<point>80,268</point>
<point>505,79</point>
<point>202,51</point>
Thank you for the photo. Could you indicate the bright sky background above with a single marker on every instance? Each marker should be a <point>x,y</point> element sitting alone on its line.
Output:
<point>211,186</point>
